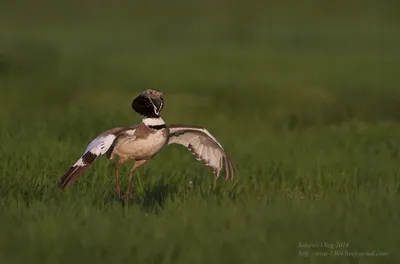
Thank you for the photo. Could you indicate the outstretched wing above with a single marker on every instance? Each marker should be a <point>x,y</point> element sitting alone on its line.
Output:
<point>103,144</point>
<point>204,147</point>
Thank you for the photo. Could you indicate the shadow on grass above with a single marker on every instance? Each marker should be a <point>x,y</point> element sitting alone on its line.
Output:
<point>154,197</point>
<point>151,198</point>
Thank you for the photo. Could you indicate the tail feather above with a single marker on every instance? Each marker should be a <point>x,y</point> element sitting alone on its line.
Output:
<point>76,171</point>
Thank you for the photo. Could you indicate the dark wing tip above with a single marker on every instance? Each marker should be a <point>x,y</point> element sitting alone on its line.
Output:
<point>63,182</point>
<point>71,176</point>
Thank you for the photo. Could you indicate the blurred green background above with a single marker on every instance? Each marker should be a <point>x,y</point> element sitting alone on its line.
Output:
<point>303,95</point>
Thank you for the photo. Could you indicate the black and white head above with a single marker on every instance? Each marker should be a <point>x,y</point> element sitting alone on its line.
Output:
<point>149,103</point>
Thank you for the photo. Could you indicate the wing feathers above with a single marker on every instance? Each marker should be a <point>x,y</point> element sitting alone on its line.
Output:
<point>204,147</point>
<point>73,174</point>
<point>103,144</point>
<point>227,168</point>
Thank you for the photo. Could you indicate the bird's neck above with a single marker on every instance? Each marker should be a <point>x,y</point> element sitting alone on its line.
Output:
<point>154,122</point>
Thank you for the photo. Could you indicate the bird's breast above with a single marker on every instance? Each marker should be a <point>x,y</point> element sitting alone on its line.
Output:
<point>141,148</point>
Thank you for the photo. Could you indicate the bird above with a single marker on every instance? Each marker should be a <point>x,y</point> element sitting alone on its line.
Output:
<point>143,141</point>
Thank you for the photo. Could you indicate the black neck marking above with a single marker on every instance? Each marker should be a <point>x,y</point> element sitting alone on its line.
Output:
<point>158,127</point>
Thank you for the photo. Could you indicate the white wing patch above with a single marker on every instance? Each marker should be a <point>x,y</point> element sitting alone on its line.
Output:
<point>100,145</point>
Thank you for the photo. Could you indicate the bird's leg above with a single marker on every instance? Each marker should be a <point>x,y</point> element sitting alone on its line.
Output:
<point>117,187</point>
<point>137,164</point>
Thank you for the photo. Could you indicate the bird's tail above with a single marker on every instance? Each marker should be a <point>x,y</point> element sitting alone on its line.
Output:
<point>76,171</point>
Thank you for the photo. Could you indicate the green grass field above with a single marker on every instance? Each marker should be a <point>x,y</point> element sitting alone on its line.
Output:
<point>305,98</point>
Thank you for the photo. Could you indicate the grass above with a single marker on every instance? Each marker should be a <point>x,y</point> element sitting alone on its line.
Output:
<point>304,98</point>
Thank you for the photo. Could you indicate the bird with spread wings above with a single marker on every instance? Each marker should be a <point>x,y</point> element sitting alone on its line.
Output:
<point>143,141</point>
